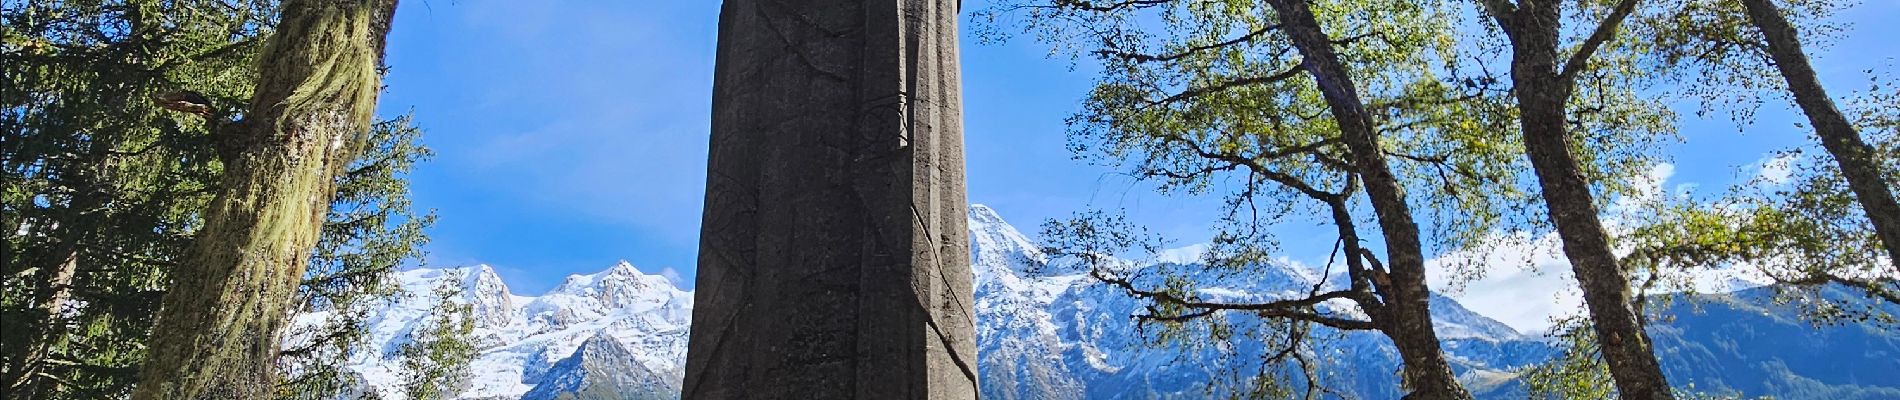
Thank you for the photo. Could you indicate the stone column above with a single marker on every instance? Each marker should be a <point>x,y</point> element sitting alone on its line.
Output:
<point>834,257</point>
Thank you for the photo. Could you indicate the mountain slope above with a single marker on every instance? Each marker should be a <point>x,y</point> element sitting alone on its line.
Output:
<point>618,317</point>
<point>1044,333</point>
<point>602,369</point>
<point>1047,334</point>
<point>1742,343</point>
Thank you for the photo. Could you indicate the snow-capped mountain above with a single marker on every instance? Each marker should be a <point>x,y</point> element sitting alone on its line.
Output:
<point>620,315</point>
<point>1043,332</point>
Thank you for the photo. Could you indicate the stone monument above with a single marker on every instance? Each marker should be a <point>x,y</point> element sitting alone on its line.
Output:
<point>834,258</point>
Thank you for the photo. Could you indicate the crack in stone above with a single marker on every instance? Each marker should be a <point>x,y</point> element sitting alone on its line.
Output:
<point>796,48</point>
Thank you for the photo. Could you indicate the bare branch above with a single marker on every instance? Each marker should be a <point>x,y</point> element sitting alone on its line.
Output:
<point>1139,57</point>
<point>1605,31</point>
<point>1088,6</point>
<point>1501,10</point>
<point>1290,308</point>
<point>1280,177</point>
<point>1223,86</point>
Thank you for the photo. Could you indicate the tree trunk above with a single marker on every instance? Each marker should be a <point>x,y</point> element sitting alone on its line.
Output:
<point>1542,93</point>
<point>52,287</point>
<point>834,257</point>
<point>217,333</point>
<point>1408,320</point>
<point>1838,136</point>
<point>56,268</point>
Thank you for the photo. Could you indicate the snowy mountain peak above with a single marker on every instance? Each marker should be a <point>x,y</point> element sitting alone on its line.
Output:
<point>1052,331</point>
<point>622,267</point>
<point>612,284</point>
<point>481,279</point>
<point>493,305</point>
<point>998,248</point>
<point>521,338</point>
<point>979,212</point>
<point>1051,334</point>
<point>602,365</point>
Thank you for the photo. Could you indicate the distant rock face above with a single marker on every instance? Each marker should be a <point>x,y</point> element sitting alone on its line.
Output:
<point>490,301</point>
<point>603,369</point>
<point>1045,333</point>
<point>618,317</point>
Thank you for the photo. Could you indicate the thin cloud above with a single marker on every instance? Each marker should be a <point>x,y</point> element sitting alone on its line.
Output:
<point>674,276</point>
<point>1777,169</point>
<point>1528,281</point>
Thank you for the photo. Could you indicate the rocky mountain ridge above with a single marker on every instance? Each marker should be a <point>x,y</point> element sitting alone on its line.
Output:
<point>1042,333</point>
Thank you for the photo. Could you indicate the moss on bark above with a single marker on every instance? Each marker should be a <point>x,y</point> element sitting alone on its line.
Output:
<point>217,334</point>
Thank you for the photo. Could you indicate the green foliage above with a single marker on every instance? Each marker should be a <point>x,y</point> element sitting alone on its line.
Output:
<point>1209,98</point>
<point>435,359</point>
<point>370,231</point>
<point>1711,53</point>
<point>1797,224</point>
<point>100,179</point>
<point>1576,373</point>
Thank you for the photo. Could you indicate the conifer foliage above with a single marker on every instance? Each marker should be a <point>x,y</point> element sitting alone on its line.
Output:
<point>107,181</point>
<point>103,188</point>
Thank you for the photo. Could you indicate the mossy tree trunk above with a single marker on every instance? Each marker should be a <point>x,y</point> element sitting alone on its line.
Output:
<point>1838,135</point>
<point>217,333</point>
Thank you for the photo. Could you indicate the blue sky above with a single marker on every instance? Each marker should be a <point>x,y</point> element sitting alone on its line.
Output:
<point>572,134</point>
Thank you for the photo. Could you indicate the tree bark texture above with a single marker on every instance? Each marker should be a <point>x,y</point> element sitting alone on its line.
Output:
<point>218,331</point>
<point>1407,316</point>
<point>1840,138</point>
<point>53,282</point>
<point>834,254</point>
<point>1542,94</point>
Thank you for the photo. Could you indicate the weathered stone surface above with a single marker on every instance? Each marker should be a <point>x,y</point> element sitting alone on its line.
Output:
<point>834,260</point>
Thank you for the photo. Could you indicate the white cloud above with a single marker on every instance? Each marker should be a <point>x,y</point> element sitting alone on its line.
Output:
<point>1526,281</point>
<point>1649,190</point>
<point>1183,255</point>
<point>1778,168</point>
<point>1527,284</point>
<point>674,276</point>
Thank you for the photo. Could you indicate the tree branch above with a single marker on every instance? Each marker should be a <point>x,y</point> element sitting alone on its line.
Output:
<point>1087,6</point>
<point>1290,309</point>
<point>1501,10</point>
<point>1280,177</point>
<point>1605,31</point>
<point>1289,73</point>
<point>1139,57</point>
